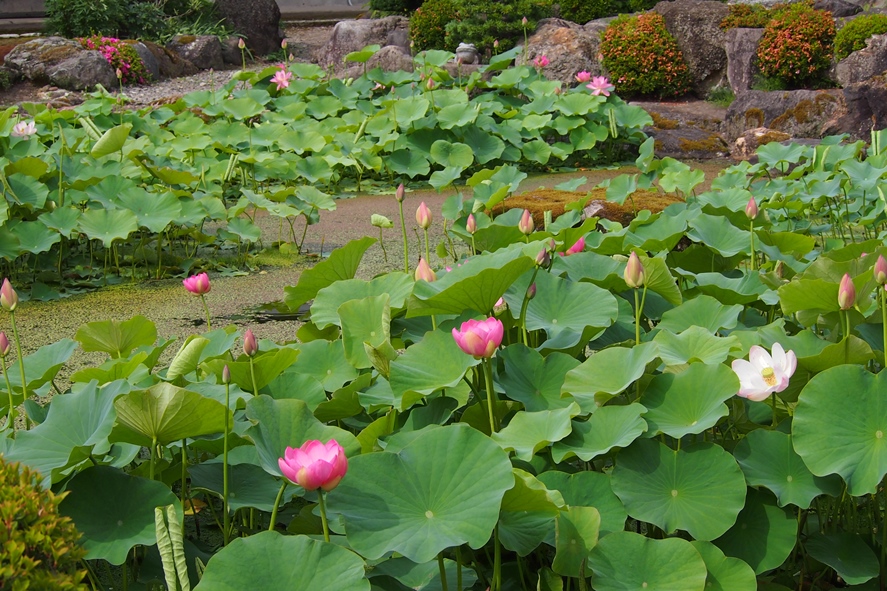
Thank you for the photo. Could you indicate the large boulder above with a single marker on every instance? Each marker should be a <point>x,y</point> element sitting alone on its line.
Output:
<point>865,63</point>
<point>354,35</point>
<point>204,51</point>
<point>865,107</point>
<point>694,24</point>
<point>799,113</point>
<point>169,63</point>
<point>151,63</point>
<point>257,21</point>
<point>838,8</point>
<point>745,147</point>
<point>742,47</point>
<point>570,48</point>
<point>60,62</point>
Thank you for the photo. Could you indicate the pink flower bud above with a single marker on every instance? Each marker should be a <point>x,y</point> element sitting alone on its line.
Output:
<point>751,209</point>
<point>119,73</point>
<point>531,291</point>
<point>525,225</point>
<point>524,21</point>
<point>471,224</point>
<point>8,297</point>
<point>424,272</point>
<point>495,44</point>
<point>430,83</point>
<point>480,338</point>
<point>197,284</point>
<point>846,293</point>
<point>314,465</point>
<point>634,272</point>
<point>226,375</point>
<point>880,270</point>
<point>423,216</point>
<point>250,345</point>
<point>283,44</point>
<point>577,247</point>
<point>240,44</point>
<point>4,345</point>
<point>399,194</point>
<point>543,259</point>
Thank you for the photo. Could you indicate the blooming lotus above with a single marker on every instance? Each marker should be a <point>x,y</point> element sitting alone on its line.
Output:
<point>480,338</point>
<point>24,129</point>
<point>600,85</point>
<point>763,374</point>
<point>197,284</point>
<point>540,61</point>
<point>583,77</point>
<point>282,78</point>
<point>315,464</point>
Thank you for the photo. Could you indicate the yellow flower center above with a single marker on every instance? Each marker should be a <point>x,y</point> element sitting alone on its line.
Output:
<point>769,376</point>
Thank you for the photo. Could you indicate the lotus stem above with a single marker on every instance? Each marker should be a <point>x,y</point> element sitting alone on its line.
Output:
<point>883,297</point>
<point>773,409</point>
<point>10,413</point>
<point>403,228</point>
<point>382,244</point>
<point>252,374</point>
<point>524,305</point>
<point>226,518</point>
<point>443,572</point>
<point>151,464</point>
<point>488,378</point>
<point>427,251</point>
<point>752,260</point>
<point>276,505</point>
<point>458,568</point>
<point>497,562</point>
<point>21,362</point>
<point>209,325</point>
<point>323,521</point>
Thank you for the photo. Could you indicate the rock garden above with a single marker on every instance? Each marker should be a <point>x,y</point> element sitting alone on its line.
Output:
<point>519,340</point>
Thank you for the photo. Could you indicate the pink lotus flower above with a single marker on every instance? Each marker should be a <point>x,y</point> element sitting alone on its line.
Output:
<point>400,193</point>
<point>471,224</point>
<point>424,271</point>
<point>197,284</point>
<point>540,61</point>
<point>634,272</point>
<point>525,225</point>
<point>315,464</point>
<point>583,77</point>
<point>846,293</point>
<point>578,246</point>
<point>762,374</point>
<point>600,85</point>
<point>250,344</point>
<point>8,297</point>
<point>24,129</point>
<point>880,270</point>
<point>751,208</point>
<point>282,78</point>
<point>479,338</point>
<point>423,216</point>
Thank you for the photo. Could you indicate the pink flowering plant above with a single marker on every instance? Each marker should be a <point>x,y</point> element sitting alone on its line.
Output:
<point>121,56</point>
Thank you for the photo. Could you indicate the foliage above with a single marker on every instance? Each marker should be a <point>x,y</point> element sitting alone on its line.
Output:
<point>754,16</point>
<point>853,36</point>
<point>721,96</point>
<point>797,45</point>
<point>482,22</point>
<point>643,58</point>
<point>581,11</point>
<point>40,548</point>
<point>428,25</point>
<point>385,7</point>
<point>121,56</point>
<point>126,19</point>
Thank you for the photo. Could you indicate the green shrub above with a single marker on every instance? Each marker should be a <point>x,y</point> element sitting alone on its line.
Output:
<point>641,5</point>
<point>643,58</point>
<point>428,25</point>
<point>122,57</point>
<point>483,22</point>
<point>394,6</point>
<point>853,35</point>
<point>126,19</point>
<point>39,547</point>
<point>797,45</point>
<point>753,16</point>
<point>582,11</point>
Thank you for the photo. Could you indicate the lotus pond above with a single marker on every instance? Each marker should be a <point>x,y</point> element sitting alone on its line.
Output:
<point>689,401</point>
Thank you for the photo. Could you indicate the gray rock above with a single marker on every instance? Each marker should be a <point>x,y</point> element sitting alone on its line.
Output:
<point>570,49</point>
<point>148,59</point>
<point>354,35</point>
<point>688,142</point>
<point>231,52</point>
<point>694,24</point>
<point>258,21</point>
<point>865,63</point>
<point>204,51</point>
<point>741,46</point>
<point>61,62</point>
<point>171,64</point>
<point>745,146</point>
<point>838,8</point>
<point>865,107</point>
<point>83,71</point>
<point>799,113</point>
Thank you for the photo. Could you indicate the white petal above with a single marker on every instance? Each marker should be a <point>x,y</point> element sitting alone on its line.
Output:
<point>759,357</point>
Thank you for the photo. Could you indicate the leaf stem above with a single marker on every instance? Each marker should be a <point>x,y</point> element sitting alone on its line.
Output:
<point>443,572</point>
<point>226,518</point>
<point>322,505</point>
<point>403,229</point>
<point>10,413</point>
<point>252,374</point>
<point>277,504</point>
<point>209,325</point>
<point>488,379</point>
<point>21,361</point>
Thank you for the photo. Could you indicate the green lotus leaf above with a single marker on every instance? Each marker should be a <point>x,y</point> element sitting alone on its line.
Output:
<point>409,110</point>
<point>703,311</point>
<point>117,339</point>
<point>41,366</point>
<point>266,366</point>
<point>324,310</point>
<point>414,372</point>
<point>423,577</point>
<point>840,424</point>
<point>530,432</point>
<point>291,384</point>
<point>408,162</point>
<point>301,141</point>
<point>440,179</point>
<point>114,511</point>
<point>528,511</point>
<point>768,459</point>
<point>589,489</point>
<point>486,147</point>
<point>363,55</point>
<point>279,424</point>
<point>248,485</point>
<point>34,237</point>
<point>325,361</point>
<point>626,561</point>
<point>111,141</point>
<point>452,154</point>
<point>699,489</point>
<point>694,344</point>
<point>536,150</point>
<point>63,219</point>
<point>689,402</point>
<point>457,115</point>
<point>763,535</point>
<point>725,573</point>
<point>108,225</point>
<point>341,264</point>
<point>576,533</point>
<point>283,562</point>
<point>534,380</point>
<point>847,553</point>
<point>607,373</point>
<point>441,500</point>
<point>364,321</point>
<point>242,108</point>
<point>660,280</point>
<point>734,290</point>
<point>609,427</point>
<point>188,357</point>
<point>154,211</point>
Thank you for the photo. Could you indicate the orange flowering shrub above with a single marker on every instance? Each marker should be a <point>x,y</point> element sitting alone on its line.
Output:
<point>797,45</point>
<point>643,58</point>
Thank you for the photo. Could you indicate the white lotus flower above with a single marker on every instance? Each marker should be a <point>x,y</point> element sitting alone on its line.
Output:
<point>24,129</point>
<point>763,374</point>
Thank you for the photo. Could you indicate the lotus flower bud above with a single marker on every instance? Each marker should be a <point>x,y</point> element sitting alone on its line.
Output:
<point>543,259</point>
<point>846,293</point>
<point>634,272</point>
<point>226,375</point>
<point>525,225</point>
<point>119,73</point>
<point>495,44</point>
<point>430,83</point>
<point>4,345</point>
<point>577,247</point>
<point>250,345</point>
<point>751,209</point>
<point>399,194</point>
<point>471,224</point>
<point>424,272</point>
<point>8,297</point>
<point>524,21</point>
<point>531,291</point>
<point>880,270</point>
<point>197,284</point>
<point>241,44</point>
<point>423,216</point>
<point>283,44</point>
